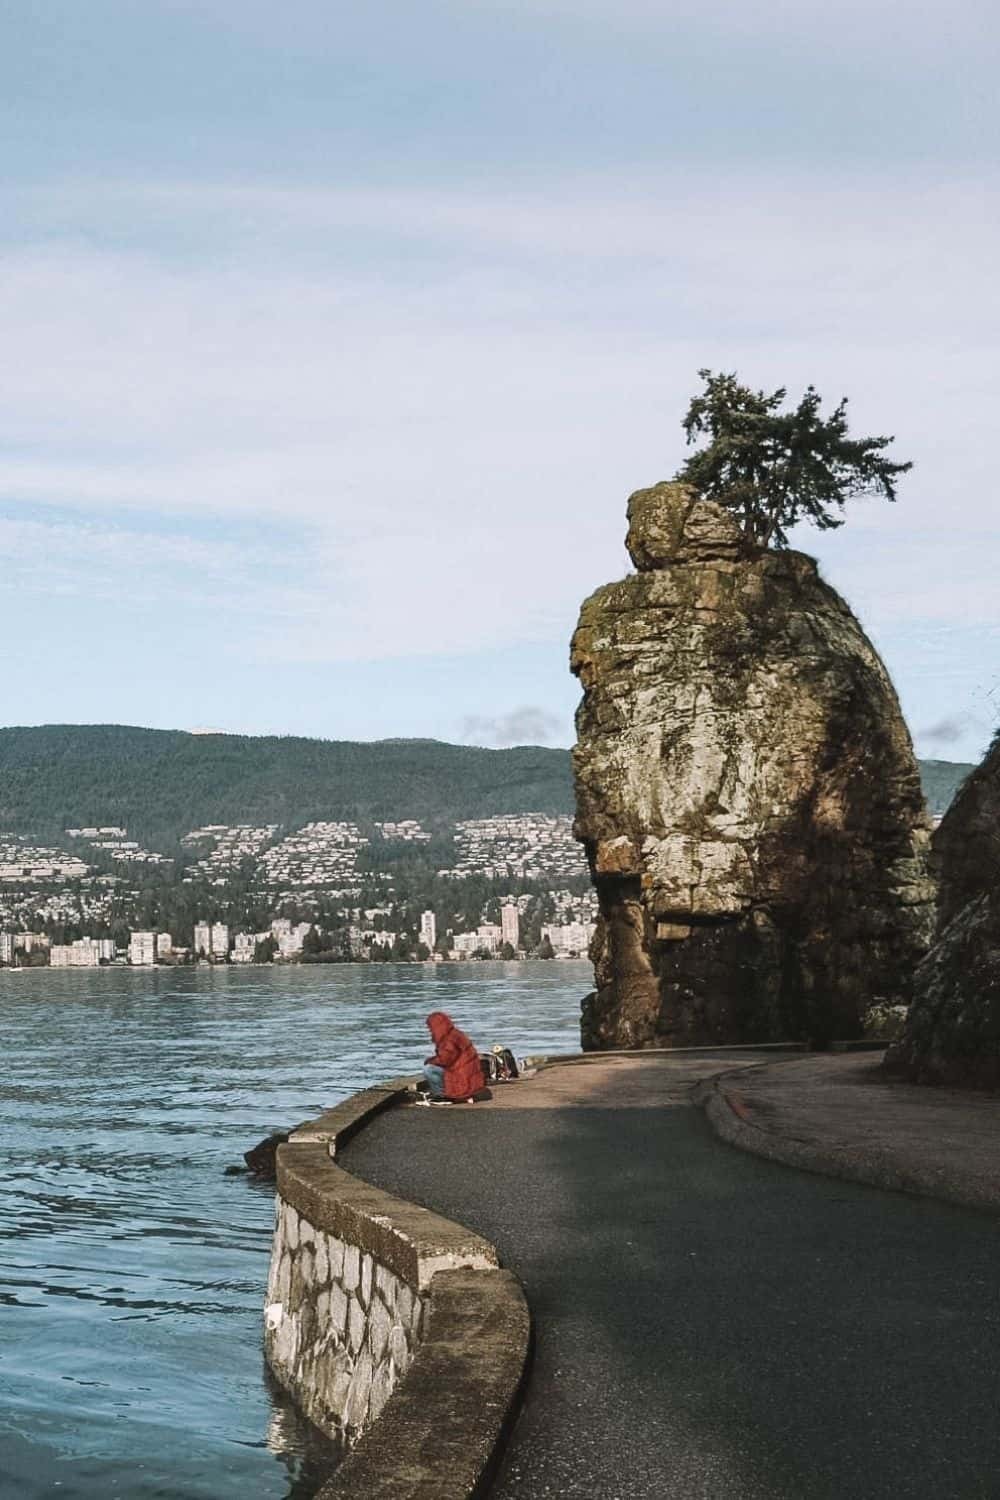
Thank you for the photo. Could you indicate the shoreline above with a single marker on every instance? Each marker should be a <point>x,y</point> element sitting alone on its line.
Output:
<point>348,963</point>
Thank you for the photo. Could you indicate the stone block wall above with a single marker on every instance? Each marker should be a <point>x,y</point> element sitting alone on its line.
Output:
<point>351,1274</point>
<point>340,1327</point>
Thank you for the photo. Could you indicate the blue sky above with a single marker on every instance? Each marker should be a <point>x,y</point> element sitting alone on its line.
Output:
<point>336,339</point>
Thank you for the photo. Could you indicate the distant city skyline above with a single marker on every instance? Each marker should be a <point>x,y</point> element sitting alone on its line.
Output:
<point>335,344</point>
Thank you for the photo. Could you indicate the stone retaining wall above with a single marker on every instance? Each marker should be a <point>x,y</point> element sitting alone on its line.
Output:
<point>340,1328</point>
<point>351,1273</point>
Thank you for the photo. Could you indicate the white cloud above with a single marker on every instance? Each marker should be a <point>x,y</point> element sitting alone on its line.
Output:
<point>946,732</point>
<point>436,403</point>
<point>528,725</point>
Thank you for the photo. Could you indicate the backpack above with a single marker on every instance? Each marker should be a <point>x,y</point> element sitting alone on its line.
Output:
<point>499,1065</point>
<point>509,1062</point>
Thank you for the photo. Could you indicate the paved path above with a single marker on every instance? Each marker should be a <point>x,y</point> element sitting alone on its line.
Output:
<point>843,1116</point>
<point>710,1324</point>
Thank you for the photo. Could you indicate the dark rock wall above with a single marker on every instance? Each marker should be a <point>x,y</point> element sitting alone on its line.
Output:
<point>952,1031</point>
<point>746,792</point>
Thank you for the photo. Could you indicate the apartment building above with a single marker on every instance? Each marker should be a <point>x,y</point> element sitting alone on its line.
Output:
<point>570,939</point>
<point>486,939</point>
<point>245,946</point>
<point>85,953</point>
<point>142,949</point>
<point>290,937</point>
<point>510,924</point>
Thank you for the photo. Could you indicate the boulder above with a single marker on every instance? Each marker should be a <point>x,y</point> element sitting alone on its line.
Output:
<point>262,1159</point>
<point>746,792</point>
<point>952,1030</point>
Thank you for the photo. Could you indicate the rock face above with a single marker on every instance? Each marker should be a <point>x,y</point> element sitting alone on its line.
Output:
<point>262,1159</point>
<point>746,792</point>
<point>952,1031</point>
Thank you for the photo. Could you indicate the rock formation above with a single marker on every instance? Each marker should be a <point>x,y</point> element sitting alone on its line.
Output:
<point>952,1031</point>
<point>746,792</point>
<point>262,1159</point>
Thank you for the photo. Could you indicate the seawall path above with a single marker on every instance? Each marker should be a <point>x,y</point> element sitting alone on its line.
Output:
<point>709,1323</point>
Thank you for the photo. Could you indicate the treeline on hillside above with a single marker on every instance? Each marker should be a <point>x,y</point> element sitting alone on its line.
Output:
<point>941,780</point>
<point>162,783</point>
<point>165,904</point>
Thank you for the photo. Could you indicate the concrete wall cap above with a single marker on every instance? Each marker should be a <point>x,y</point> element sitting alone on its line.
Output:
<point>411,1241</point>
<point>338,1124</point>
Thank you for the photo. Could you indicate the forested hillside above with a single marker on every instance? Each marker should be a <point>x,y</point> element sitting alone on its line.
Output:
<point>942,779</point>
<point>161,783</point>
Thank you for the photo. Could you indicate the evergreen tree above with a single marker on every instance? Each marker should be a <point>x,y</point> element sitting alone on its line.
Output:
<point>312,943</point>
<point>773,468</point>
<point>265,950</point>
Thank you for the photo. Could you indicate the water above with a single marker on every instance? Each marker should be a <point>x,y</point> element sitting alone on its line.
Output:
<point>131,1268</point>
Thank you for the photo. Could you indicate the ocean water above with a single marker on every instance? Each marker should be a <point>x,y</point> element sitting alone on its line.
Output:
<point>132,1269</point>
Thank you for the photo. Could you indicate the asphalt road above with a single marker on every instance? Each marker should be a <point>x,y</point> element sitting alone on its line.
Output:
<point>710,1324</point>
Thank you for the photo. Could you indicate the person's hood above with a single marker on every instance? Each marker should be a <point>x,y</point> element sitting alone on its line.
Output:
<point>438,1024</point>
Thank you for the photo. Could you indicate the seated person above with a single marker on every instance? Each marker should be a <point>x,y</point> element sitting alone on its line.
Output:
<point>454,1073</point>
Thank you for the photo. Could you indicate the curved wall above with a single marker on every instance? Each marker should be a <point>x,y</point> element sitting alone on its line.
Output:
<point>340,1327</point>
<point>351,1297</point>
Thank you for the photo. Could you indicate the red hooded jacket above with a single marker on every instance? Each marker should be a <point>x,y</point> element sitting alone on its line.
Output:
<point>463,1073</point>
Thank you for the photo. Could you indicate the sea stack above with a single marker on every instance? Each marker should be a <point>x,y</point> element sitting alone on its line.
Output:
<point>746,792</point>
<point>952,1031</point>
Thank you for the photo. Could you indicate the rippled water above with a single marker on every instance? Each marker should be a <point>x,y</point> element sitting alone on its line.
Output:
<point>131,1268</point>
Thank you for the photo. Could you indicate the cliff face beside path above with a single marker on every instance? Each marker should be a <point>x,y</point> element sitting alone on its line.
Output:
<point>952,1032</point>
<point>746,792</point>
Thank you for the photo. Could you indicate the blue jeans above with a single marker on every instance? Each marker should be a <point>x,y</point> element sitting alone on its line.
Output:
<point>435,1080</point>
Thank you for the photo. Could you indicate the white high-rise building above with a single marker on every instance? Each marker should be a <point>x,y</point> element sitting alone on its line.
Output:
<point>428,931</point>
<point>164,944</point>
<point>202,939</point>
<point>290,941</point>
<point>510,925</point>
<point>6,947</point>
<point>220,940</point>
<point>142,949</point>
<point>485,939</point>
<point>489,936</point>
<point>85,953</point>
<point>571,939</point>
<point>245,946</point>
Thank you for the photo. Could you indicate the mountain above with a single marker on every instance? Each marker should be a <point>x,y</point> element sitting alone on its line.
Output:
<point>942,779</point>
<point>162,783</point>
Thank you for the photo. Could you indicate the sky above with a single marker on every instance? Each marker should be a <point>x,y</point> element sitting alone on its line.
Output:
<point>336,338</point>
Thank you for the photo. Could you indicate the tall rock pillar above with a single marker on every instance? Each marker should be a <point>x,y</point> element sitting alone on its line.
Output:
<point>952,1032</point>
<point>747,795</point>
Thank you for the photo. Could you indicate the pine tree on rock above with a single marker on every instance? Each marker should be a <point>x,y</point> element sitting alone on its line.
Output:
<point>774,468</point>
